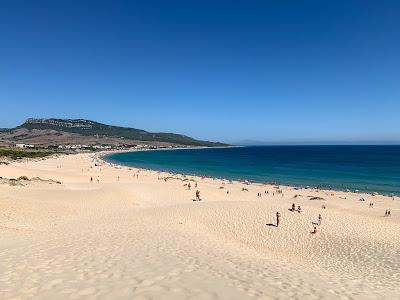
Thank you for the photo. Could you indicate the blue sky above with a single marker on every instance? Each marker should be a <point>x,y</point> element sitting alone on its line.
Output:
<point>275,71</point>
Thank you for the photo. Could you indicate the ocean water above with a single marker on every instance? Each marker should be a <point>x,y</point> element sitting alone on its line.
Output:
<point>363,168</point>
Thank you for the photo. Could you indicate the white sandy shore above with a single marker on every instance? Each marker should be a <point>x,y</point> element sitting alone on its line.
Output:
<point>144,238</point>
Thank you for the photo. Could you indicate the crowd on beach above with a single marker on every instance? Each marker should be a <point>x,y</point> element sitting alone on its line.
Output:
<point>276,191</point>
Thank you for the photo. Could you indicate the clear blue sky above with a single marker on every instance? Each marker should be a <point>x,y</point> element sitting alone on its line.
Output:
<point>274,71</point>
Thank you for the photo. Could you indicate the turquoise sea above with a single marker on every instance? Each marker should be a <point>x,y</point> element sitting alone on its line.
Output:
<point>363,168</point>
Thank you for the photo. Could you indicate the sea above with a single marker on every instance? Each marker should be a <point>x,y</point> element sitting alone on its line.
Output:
<point>354,168</point>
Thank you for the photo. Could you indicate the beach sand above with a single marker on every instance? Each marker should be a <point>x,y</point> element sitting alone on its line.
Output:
<point>134,235</point>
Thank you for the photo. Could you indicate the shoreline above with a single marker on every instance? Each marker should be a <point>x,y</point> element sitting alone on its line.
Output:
<point>299,187</point>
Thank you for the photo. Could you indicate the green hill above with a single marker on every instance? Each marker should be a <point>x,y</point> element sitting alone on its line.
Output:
<point>91,128</point>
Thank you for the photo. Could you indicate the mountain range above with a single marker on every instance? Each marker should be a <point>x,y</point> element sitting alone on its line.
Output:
<point>47,132</point>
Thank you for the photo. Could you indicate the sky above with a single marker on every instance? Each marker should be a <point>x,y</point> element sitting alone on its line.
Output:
<point>232,71</point>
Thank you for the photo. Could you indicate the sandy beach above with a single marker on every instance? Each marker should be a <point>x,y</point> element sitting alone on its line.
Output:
<point>138,234</point>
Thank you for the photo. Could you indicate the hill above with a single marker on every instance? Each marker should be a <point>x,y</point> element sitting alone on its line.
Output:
<point>72,131</point>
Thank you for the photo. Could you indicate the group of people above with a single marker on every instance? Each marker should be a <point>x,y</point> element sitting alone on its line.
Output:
<point>265,192</point>
<point>98,179</point>
<point>293,208</point>
<point>318,223</point>
<point>189,186</point>
<point>387,211</point>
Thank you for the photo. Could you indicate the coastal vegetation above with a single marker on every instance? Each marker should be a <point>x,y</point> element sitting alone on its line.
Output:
<point>18,154</point>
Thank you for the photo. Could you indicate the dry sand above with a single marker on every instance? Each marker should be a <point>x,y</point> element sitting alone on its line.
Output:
<point>144,238</point>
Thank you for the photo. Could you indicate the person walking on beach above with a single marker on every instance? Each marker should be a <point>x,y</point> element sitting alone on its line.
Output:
<point>386,213</point>
<point>299,209</point>
<point>293,207</point>
<point>91,179</point>
<point>319,219</point>
<point>198,195</point>
<point>189,186</point>
<point>278,216</point>
<point>314,231</point>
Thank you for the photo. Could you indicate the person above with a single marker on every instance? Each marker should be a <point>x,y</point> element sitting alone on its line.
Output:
<point>198,195</point>
<point>323,206</point>
<point>319,219</point>
<point>388,214</point>
<point>278,216</point>
<point>293,207</point>
<point>299,209</point>
<point>314,231</point>
<point>189,186</point>
<point>91,179</point>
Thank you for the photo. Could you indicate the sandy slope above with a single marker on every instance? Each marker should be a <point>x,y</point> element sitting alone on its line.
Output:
<point>144,238</point>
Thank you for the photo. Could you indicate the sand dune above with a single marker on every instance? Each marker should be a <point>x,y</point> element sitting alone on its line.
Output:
<point>144,238</point>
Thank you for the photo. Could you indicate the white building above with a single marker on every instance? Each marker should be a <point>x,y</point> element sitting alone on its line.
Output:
<point>24,146</point>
